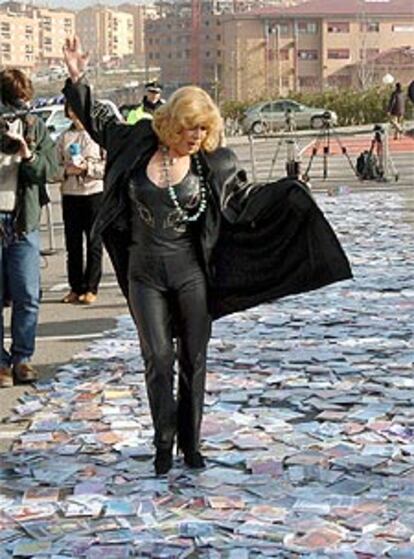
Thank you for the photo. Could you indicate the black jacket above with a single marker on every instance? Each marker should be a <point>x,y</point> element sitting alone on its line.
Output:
<point>257,242</point>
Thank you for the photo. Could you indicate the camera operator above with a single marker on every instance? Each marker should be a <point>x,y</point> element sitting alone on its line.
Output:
<point>27,159</point>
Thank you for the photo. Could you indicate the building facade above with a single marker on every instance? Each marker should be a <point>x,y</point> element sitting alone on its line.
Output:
<point>306,47</point>
<point>24,52</point>
<point>184,54</point>
<point>188,45</point>
<point>108,34</point>
<point>31,37</point>
<point>54,27</point>
<point>140,13</point>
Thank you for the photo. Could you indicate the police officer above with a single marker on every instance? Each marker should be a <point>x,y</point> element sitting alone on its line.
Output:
<point>151,101</point>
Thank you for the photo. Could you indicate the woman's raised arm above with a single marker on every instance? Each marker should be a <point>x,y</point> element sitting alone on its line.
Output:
<point>99,121</point>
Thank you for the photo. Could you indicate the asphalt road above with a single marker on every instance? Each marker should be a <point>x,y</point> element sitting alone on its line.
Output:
<point>64,330</point>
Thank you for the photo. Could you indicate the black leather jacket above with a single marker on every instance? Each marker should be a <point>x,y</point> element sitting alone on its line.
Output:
<point>301,251</point>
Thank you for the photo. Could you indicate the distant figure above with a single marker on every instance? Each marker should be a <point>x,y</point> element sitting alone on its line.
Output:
<point>150,102</point>
<point>396,108</point>
<point>411,92</point>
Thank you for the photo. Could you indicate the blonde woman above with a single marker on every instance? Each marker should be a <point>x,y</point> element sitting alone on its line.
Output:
<point>190,240</point>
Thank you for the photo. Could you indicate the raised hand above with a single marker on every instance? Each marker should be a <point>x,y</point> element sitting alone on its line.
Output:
<point>75,60</point>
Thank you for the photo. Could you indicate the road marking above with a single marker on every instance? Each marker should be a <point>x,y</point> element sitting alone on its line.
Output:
<point>67,338</point>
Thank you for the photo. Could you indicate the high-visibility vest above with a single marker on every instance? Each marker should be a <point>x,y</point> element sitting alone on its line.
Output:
<point>137,114</point>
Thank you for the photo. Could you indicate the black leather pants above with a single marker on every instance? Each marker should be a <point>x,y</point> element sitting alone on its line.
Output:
<point>178,308</point>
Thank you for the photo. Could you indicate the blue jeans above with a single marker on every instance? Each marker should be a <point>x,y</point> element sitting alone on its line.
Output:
<point>20,282</point>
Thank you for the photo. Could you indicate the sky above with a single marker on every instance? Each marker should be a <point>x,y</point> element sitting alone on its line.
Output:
<point>77,4</point>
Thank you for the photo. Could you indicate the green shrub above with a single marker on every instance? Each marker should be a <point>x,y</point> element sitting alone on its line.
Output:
<point>351,106</point>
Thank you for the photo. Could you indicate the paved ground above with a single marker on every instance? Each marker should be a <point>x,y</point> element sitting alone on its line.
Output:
<point>64,330</point>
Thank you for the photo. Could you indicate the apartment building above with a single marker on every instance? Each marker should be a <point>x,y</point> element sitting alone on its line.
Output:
<point>308,47</point>
<point>108,34</point>
<point>54,27</point>
<point>22,52</point>
<point>185,47</point>
<point>140,14</point>
<point>33,36</point>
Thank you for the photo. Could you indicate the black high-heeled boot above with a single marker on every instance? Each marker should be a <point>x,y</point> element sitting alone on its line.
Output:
<point>194,459</point>
<point>163,461</point>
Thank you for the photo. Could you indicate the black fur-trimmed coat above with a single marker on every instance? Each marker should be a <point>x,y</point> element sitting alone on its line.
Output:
<point>257,242</point>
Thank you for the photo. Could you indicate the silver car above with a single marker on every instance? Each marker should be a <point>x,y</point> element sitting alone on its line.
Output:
<point>284,114</point>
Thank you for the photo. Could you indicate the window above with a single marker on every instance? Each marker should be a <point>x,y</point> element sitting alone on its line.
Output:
<point>307,54</point>
<point>370,27</point>
<point>338,54</point>
<point>283,29</point>
<point>5,47</point>
<point>403,28</point>
<point>5,30</point>
<point>307,27</point>
<point>284,54</point>
<point>338,27</point>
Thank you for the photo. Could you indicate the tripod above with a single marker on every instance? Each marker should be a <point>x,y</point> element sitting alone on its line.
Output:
<point>324,138</point>
<point>292,150</point>
<point>379,147</point>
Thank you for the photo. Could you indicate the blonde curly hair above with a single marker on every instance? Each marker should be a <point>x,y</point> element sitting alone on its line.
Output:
<point>188,107</point>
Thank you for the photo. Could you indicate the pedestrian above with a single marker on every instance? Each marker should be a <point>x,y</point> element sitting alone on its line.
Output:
<point>150,103</point>
<point>191,240</point>
<point>27,159</point>
<point>81,174</point>
<point>396,109</point>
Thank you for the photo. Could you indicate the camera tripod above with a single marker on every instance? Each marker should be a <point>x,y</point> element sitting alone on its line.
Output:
<point>379,147</point>
<point>324,138</point>
<point>292,149</point>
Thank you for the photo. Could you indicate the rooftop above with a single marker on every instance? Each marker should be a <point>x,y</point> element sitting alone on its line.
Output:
<point>343,8</point>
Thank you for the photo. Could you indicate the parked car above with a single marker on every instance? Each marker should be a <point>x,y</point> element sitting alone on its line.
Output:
<point>272,116</point>
<point>54,118</point>
<point>56,121</point>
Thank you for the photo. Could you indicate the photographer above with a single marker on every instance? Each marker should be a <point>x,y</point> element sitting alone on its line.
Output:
<point>27,159</point>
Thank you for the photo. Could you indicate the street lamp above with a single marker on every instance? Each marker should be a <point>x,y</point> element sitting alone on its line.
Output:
<point>388,79</point>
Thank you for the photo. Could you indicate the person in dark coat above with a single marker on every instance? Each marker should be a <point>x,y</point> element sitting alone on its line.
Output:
<point>396,110</point>
<point>191,240</point>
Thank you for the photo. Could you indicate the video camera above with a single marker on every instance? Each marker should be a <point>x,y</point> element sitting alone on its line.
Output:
<point>326,117</point>
<point>8,115</point>
<point>379,132</point>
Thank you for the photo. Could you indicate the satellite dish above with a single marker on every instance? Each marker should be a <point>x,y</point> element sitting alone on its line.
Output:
<point>388,79</point>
